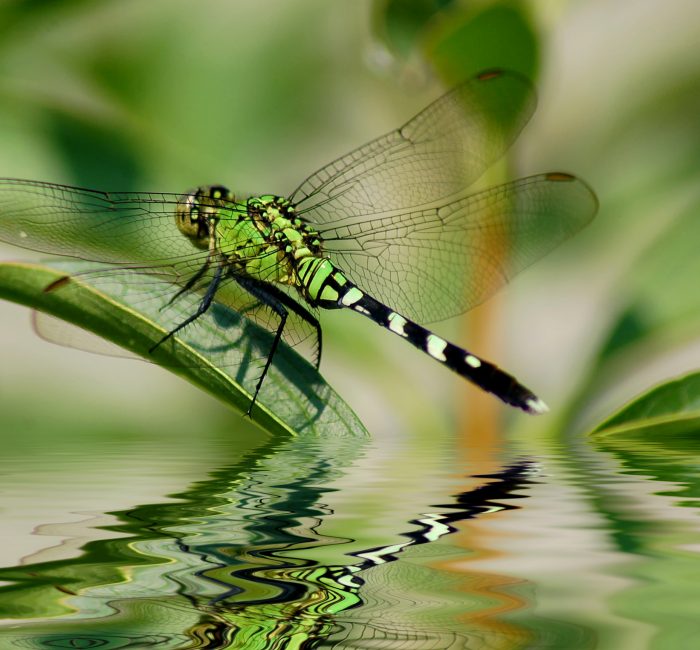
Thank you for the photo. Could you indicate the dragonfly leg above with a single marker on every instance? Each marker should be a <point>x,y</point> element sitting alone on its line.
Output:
<point>266,295</point>
<point>190,283</point>
<point>207,263</point>
<point>203,307</point>
<point>294,307</point>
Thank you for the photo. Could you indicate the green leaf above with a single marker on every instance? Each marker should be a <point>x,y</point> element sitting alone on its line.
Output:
<point>658,310</point>
<point>672,407</point>
<point>402,23</point>
<point>293,399</point>
<point>496,36</point>
<point>459,39</point>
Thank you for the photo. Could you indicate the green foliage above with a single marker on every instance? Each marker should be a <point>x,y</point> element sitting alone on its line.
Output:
<point>401,24</point>
<point>294,398</point>
<point>133,95</point>
<point>660,310</point>
<point>460,38</point>
<point>670,408</point>
<point>498,35</point>
<point>126,96</point>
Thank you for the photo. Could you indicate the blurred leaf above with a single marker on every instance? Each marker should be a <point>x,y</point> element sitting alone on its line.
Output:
<point>663,291</point>
<point>671,407</point>
<point>294,397</point>
<point>402,23</point>
<point>459,38</point>
<point>660,309</point>
<point>17,14</point>
<point>92,153</point>
<point>630,327</point>
<point>499,35</point>
<point>664,283</point>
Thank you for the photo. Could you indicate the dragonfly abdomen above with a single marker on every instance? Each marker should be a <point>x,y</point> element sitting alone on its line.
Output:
<point>321,282</point>
<point>486,375</point>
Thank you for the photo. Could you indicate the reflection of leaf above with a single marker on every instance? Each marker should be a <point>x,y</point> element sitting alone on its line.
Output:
<point>670,408</point>
<point>293,398</point>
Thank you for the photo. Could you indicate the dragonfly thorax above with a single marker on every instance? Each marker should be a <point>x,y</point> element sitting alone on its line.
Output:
<point>261,237</point>
<point>277,240</point>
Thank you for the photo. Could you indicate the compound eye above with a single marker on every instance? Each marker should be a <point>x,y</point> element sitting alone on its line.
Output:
<point>187,206</point>
<point>188,217</point>
<point>198,209</point>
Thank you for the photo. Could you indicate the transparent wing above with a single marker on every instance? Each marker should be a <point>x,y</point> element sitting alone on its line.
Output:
<point>217,335</point>
<point>434,262</point>
<point>119,228</point>
<point>137,235</point>
<point>61,332</point>
<point>236,331</point>
<point>440,152</point>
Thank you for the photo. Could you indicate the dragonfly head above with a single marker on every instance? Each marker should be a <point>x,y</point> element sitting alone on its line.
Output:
<point>198,211</point>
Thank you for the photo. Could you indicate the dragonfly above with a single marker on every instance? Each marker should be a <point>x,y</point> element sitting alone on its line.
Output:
<point>398,230</point>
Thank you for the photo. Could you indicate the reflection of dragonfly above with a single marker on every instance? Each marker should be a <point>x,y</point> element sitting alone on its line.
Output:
<point>392,215</point>
<point>308,611</point>
<point>235,561</point>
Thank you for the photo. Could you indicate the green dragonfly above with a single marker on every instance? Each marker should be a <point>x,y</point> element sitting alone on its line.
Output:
<point>388,231</point>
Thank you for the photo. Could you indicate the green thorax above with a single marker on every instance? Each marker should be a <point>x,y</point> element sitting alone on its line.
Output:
<point>262,238</point>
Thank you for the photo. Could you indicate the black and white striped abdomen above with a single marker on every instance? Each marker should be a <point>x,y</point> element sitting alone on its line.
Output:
<point>480,372</point>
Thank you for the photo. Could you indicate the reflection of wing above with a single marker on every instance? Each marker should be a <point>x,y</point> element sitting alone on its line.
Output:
<point>435,262</point>
<point>125,227</point>
<point>437,154</point>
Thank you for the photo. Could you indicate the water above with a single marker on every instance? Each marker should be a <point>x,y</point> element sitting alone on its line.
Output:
<point>347,543</point>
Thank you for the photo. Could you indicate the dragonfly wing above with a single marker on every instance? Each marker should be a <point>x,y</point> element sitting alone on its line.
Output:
<point>437,154</point>
<point>120,228</point>
<point>236,326</point>
<point>134,252</point>
<point>438,261</point>
<point>299,332</point>
<point>60,332</point>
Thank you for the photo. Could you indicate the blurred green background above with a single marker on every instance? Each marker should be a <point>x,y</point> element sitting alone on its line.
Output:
<point>165,95</point>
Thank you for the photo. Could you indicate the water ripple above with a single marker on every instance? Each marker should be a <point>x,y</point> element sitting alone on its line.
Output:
<point>237,561</point>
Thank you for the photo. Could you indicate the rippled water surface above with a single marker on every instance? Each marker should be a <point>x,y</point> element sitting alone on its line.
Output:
<point>240,541</point>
